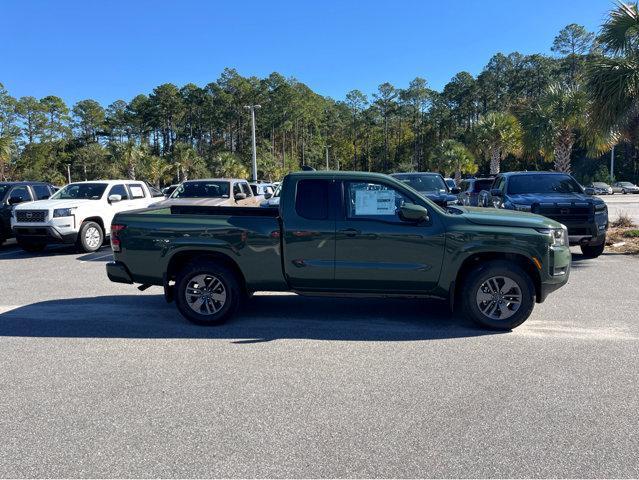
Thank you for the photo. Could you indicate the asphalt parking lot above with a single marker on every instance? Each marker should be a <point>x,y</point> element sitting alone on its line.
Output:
<point>618,203</point>
<point>98,379</point>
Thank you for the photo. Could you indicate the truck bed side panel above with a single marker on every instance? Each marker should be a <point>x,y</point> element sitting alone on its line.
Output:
<point>152,238</point>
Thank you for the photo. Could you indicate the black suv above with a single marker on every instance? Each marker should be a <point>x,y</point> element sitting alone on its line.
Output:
<point>12,193</point>
<point>471,188</point>
<point>554,195</point>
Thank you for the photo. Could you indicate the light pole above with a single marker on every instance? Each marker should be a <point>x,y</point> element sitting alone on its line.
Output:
<point>252,109</point>
<point>69,172</point>
<point>327,147</point>
<point>612,164</point>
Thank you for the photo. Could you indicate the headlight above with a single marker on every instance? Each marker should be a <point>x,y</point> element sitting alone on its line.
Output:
<point>522,208</point>
<point>558,236</point>
<point>63,212</point>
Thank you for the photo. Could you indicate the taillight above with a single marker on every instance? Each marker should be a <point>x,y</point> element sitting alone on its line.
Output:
<point>115,237</point>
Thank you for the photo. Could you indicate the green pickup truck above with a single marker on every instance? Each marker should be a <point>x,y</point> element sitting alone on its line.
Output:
<point>350,234</point>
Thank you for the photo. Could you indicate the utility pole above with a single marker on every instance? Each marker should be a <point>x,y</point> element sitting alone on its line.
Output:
<point>252,109</point>
<point>327,157</point>
<point>69,172</point>
<point>612,164</point>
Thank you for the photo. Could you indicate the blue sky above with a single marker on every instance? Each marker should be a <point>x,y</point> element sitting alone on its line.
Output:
<point>117,49</point>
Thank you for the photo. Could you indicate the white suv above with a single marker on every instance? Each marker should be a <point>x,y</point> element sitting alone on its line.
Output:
<point>79,213</point>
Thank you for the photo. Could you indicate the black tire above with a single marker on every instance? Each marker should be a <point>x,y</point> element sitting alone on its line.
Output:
<point>593,251</point>
<point>624,192</point>
<point>90,237</point>
<point>30,246</point>
<point>475,281</point>
<point>230,288</point>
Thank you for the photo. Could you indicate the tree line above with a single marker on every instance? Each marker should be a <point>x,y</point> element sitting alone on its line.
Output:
<point>564,111</point>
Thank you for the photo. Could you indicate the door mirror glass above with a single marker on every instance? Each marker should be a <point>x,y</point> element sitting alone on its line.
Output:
<point>268,195</point>
<point>115,198</point>
<point>589,191</point>
<point>240,196</point>
<point>16,200</point>
<point>409,212</point>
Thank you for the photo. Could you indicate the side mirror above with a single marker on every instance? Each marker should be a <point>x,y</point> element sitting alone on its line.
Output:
<point>495,192</point>
<point>15,200</point>
<point>589,191</point>
<point>410,212</point>
<point>268,195</point>
<point>115,198</point>
<point>240,196</point>
<point>455,190</point>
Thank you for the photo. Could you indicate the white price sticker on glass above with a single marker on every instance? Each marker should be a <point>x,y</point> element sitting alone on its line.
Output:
<point>136,191</point>
<point>374,202</point>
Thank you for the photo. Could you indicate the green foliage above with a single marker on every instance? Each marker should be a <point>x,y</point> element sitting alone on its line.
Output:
<point>497,135</point>
<point>453,158</point>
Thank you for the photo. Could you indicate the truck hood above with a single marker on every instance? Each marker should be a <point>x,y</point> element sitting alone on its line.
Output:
<point>203,202</point>
<point>505,218</point>
<point>50,204</point>
<point>530,198</point>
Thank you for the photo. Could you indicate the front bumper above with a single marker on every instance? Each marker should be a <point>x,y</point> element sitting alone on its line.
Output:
<point>559,263</point>
<point>44,234</point>
<point>117,272</point>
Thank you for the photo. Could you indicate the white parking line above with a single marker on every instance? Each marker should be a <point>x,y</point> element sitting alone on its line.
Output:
<point>93,259</point>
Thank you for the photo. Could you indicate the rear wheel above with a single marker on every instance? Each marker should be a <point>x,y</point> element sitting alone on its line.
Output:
<point>207,293</point>
<point>498,295</point>
<point>30,246</point>
<point>593,251</point>
<point>90,237</point>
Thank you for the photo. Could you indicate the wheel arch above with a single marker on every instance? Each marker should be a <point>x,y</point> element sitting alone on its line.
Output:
<point>97,220</point>
<point>476,259</point>
<point>182,258</point>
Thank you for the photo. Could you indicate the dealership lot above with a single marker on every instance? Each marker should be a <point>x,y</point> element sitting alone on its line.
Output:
<point>98,379</point>
<point>628,204</point>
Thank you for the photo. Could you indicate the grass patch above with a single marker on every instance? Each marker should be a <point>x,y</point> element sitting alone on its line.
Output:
<point>631,233</point>
<point>623,221</point>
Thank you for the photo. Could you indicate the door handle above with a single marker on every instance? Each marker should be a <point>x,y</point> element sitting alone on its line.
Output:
<point>350,232</point>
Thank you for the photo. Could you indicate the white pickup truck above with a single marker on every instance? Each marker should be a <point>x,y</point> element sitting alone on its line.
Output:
<point>79,213</point>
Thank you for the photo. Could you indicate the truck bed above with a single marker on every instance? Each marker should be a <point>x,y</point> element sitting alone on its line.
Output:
<point>153,238</point>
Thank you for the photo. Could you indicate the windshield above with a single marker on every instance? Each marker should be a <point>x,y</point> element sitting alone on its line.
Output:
<point>80,191</point>
<point>600,184</point>
<point>421,182</point>
<point>623,184</point>
<point>519,184</point>
<point>480,185</point>
<point>202,189</point>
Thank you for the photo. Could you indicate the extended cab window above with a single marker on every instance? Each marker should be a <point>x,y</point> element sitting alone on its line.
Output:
<point>137,191</point>
<point>41,191</point>
<point>311,199</point>
<point>246,189</point>
<point>119,190</point>
<point>374,201</point>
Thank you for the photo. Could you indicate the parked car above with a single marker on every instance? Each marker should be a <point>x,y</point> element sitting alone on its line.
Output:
<point>343,233</point>
<point>430,185</point>
<point>470,189</point>
<point>14,193</point>
<point>601,188</point>
<point>272,200</point>
<point>557,196</point>
<point>212,192</point>
<point>260,189</point>
<point>450,183</point>
<point>625,187</point>
<point>79,213</point>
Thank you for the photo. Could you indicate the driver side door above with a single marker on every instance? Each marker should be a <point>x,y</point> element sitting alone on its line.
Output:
<point>377,251</point>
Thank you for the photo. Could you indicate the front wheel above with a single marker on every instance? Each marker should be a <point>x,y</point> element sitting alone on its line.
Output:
<point>90,237</point>
<point>499,295</point>
<point>207,293</point>
<point>593,251</point>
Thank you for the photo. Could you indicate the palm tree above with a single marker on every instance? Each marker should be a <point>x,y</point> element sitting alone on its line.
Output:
<point>5,155</point>
<point>613,81</point>
<point>129,155</point>
<point>156,169</point>
<point>497,135</point>
<point>187,161</point>
<point>551,124</point>
<point>455,157</point>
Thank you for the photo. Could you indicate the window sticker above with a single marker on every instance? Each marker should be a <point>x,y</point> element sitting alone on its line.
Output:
<point>136,191</point>
<point>374,202</point>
